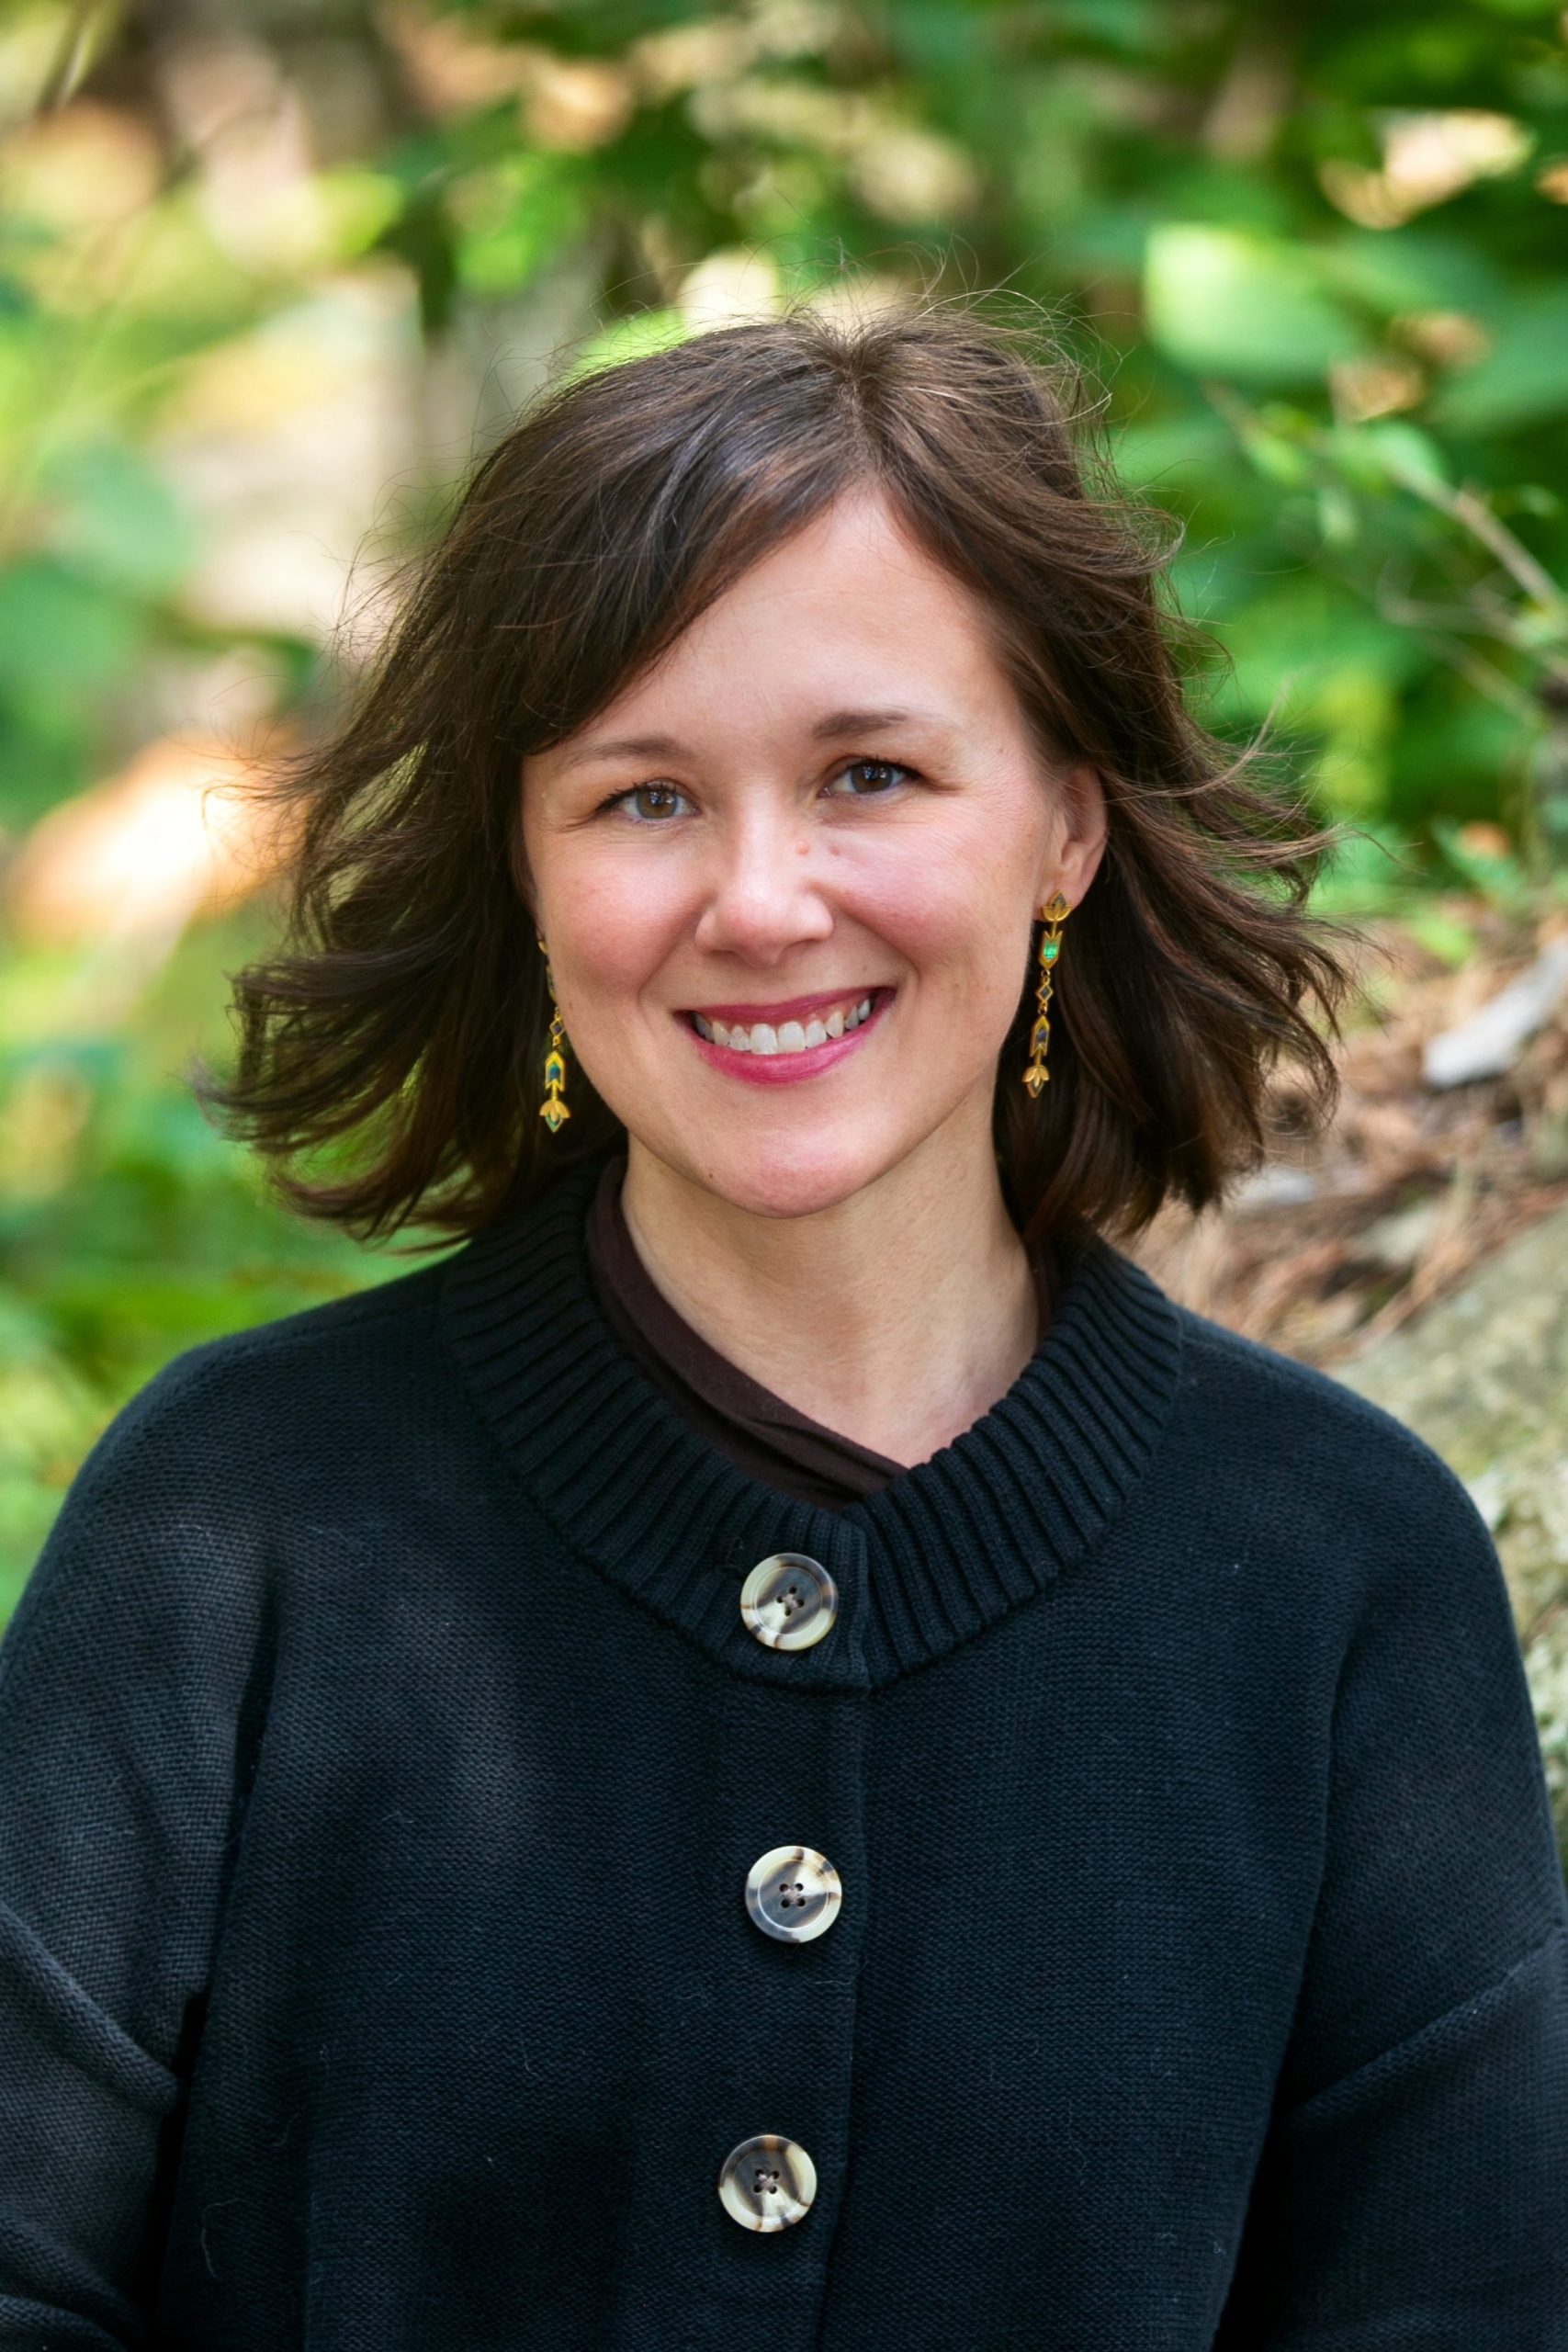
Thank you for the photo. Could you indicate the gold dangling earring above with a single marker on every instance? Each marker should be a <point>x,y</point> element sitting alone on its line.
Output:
<point>553,1110</point>
<point>1055,912</point>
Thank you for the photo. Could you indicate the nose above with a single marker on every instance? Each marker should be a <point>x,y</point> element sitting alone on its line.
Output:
<point>762,896</point>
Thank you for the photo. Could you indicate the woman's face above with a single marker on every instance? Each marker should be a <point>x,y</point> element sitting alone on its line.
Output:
<point>824,798</point>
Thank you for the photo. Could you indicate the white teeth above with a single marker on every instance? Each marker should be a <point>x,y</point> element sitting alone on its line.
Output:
<point>790,1036</point>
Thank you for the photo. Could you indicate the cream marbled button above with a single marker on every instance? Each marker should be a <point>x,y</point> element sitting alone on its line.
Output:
<point>793,1893</point>
<point>767,2182</point>
<point>789,1601</point>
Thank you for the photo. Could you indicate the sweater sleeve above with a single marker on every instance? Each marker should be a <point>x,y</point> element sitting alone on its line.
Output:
<point>124,1678</point>
<point>1411,2194</point>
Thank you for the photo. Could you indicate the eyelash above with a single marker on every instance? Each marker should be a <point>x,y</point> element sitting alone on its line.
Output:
<point>619,801</point>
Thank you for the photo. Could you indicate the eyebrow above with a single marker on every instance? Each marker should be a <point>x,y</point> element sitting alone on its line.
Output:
<point>834,724</point>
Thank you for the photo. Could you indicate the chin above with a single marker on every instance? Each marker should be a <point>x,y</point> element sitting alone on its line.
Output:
<point>789,1179</point>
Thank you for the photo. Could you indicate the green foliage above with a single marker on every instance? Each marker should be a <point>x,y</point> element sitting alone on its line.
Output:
<point>128,1229</point>
<point>1221,301</point>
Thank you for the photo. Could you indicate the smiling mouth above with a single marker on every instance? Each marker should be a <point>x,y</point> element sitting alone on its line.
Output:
<point>783,1038</point>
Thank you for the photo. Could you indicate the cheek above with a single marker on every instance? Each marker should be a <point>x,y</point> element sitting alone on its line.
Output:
<point>958,917</point>
<point>612,933</point>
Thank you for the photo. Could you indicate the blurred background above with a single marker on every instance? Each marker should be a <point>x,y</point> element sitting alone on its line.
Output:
<point>273,272</point>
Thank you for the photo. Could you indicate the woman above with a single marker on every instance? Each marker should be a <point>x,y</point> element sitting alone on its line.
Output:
<point>780,1744</point>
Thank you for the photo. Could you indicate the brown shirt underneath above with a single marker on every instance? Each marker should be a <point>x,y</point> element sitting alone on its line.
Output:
<point>767,1439</point>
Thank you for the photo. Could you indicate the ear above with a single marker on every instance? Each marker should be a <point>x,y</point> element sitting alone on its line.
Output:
<point>1077,836</point>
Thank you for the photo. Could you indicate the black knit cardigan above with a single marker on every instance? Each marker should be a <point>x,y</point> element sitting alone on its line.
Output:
<point>385,1752</point>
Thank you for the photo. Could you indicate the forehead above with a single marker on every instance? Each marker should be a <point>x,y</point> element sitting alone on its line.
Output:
<point>850,611</point>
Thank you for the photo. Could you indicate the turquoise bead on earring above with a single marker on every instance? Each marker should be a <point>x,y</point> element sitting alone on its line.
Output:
<point>1055,912</point>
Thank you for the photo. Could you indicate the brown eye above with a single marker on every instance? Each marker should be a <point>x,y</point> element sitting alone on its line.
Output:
<point>650,804</point>
<point>881,776</point>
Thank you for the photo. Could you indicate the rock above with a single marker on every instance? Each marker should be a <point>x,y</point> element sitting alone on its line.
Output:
<point>1482,1377</point>
<point>1488,1044</point>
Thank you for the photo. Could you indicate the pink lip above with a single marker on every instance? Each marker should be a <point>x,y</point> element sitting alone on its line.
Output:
<point>794,1008</point>
<point>783,1069</point>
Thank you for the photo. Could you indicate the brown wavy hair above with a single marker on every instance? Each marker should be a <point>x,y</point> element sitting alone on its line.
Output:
<point>400,1026</point>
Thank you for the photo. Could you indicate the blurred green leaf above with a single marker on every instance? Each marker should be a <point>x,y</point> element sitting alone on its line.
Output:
<point>60,631</point>
<point>116,521</point>
<point>1415,270</point>
<point>512,216</point>
<point>1447,936</point>
<point>1500,879</point>
<point>1372,870</point>
<point>1224,303</point>
<point>1524,375</point>
<point>1400,453</point>
<point>630,339</point>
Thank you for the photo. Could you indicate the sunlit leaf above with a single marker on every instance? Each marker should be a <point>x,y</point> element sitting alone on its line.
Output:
<point>1227,304</point>
<point>631,339</point>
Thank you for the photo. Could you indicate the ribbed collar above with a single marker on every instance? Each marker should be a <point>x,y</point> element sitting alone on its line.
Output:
<point>940,1552</point>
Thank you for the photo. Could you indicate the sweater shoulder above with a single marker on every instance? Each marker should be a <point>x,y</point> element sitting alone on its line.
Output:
<point>403,1304</point>
<point>258,1405</point>
<point>1316,1455</point>
<point>232,1455</point>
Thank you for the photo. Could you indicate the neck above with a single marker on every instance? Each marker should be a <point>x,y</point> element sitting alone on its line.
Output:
<point>896,1316</point>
